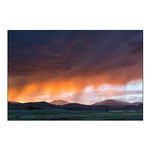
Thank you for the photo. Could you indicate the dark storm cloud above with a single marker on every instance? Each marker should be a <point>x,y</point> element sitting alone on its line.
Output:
<point>41,55</point>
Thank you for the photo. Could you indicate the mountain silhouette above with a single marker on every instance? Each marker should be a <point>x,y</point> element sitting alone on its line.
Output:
<point>59,102</point>
<point>110,104</point>
<point>113,103</point>
<point>137,103</point>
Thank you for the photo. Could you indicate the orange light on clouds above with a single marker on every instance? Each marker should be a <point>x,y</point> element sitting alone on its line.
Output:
<point>62,89</point>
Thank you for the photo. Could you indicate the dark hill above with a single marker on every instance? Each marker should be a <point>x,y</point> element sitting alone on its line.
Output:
<point>59,102</point>
<point>30,106</point>
<point>113,103</point>
<point>100,106</point>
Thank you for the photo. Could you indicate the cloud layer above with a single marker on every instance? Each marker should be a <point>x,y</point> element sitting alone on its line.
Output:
<point>65,61</point>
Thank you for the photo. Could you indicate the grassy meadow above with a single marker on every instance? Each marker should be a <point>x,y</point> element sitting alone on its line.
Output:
<point>60,114</point>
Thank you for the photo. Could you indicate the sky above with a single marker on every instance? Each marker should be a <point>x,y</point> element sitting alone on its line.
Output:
<point>83,66</point>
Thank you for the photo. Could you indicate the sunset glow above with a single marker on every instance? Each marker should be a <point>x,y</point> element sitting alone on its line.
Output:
<point>75,66</point>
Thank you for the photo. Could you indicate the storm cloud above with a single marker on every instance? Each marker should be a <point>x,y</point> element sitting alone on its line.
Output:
<point>74,58</point>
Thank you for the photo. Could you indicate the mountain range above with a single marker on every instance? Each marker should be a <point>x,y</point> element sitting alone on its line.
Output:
<point>114,103</point>
<point>110,104</point>
<point>59,102</point>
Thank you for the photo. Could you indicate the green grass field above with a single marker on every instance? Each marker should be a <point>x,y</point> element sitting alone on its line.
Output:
<point>60,114</point>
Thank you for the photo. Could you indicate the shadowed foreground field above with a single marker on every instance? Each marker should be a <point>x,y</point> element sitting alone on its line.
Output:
<point>59,114</point>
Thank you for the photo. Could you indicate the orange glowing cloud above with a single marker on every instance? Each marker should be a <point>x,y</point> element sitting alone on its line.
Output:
<point>46,65</point>
<point>58,86</point>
